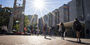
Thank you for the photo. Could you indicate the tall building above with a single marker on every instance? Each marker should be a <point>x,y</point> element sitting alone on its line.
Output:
<point>50,19</point>
<point>76,10</point>
<point>53,18</point>
<point>33,19</point>
<point>86,12</point>
<point>40,24</point>
<point>64,13</point>
<point>80,9</point>
<point>55,13</point>
<point>45,19</point>
<point>72,10</point>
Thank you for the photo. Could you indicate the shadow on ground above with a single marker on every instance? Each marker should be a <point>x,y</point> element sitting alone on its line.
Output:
<point>48,38</point>
<point>78,42</point>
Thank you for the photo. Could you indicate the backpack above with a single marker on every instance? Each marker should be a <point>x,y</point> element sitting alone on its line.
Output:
<point>77,26</point>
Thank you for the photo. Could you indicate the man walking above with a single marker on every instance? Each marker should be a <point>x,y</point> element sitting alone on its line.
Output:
<point>62,30</point>
<point>77,27</point>
<point>45,30</point>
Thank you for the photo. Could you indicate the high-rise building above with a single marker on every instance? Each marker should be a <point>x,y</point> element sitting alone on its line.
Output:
<point>86,13</point>
<point>76,10</point>
<point>40,24</point>
<point>80,9</point>
<point>72,10</point>
<point>46,19</point>
<point>55,13</point>
<point>50,19</point>
<point>33,19</point>
<point>64,13</point>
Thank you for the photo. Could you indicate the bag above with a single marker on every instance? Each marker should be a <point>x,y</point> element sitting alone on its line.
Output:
<point>77,26</point>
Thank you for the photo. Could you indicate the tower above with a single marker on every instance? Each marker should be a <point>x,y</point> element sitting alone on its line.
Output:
<point>17,16</point>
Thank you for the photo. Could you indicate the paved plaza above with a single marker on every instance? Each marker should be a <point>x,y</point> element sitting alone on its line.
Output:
<point>39,40</point>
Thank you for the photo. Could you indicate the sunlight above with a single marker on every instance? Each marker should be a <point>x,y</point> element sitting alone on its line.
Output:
<point>39,4</point>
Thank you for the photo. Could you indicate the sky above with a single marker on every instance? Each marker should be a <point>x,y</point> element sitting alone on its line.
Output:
<point>50,5</point>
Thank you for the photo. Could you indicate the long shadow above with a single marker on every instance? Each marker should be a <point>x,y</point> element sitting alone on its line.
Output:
<point>78,42</point>
<point>48,38</point>
<point>1,34</point>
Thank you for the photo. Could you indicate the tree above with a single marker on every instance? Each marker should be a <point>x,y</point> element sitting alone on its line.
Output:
<point>5,15</point>
<point>26,21</point>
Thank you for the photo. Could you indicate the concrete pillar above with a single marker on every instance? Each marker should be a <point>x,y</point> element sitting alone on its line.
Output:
<point>21,26</point>
<point>10,26</point>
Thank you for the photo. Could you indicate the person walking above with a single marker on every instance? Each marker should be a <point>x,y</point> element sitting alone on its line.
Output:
<point>62,30</point>
<point>77,27</point>
<point>52,31</point>
<point>4,29</point>
<point>37,31</point>
<point>45,30</point>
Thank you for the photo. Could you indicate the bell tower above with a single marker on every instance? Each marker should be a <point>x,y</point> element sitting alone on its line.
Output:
<point>17,16</point>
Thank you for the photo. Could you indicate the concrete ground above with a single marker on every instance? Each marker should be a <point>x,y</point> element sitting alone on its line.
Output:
<point>39,40</point>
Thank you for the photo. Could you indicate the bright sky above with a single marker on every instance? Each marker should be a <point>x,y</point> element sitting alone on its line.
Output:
<point>40,7</point>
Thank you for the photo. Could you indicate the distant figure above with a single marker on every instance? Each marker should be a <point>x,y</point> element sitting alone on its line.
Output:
<point>87,32</point>
<point>45,30</point>
<point>31,27</point>
<point>62,30</point>
<point>48,30</point>
<point>25,29</point>
<point>37,31</point>
<point>4,29</point>
<point>52,31</point>
<point>77,27</point>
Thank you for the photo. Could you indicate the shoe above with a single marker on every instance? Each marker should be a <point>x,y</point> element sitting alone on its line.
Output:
<point>79,41</point>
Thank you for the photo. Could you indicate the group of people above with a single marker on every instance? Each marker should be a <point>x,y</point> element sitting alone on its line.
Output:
<point>31,30</point>
<point>76,26</point>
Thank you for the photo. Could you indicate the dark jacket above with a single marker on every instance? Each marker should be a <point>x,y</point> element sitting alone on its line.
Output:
<point>62,28</point>
<point>77,26</point>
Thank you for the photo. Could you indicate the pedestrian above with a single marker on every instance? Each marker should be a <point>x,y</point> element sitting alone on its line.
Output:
<point>77,27</point>
<point>45,30</point>
<point>62,30</point>
<point>87,31</point>
<point>37,30</point>
<point>31,28</point>
<point>4,29</point>
<point>49,30</point>
<point>52,31</point>
<point>25,29</point>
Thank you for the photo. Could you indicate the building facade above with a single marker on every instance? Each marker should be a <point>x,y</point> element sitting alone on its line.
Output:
<point>86,12</point>
<point>64,13</point>
<point>33,19</point>
<point>41,24</point>
<point>68,12</point>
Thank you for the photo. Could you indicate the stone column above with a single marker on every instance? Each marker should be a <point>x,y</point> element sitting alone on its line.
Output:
<point>10,26</point>
<point>21,26</point>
